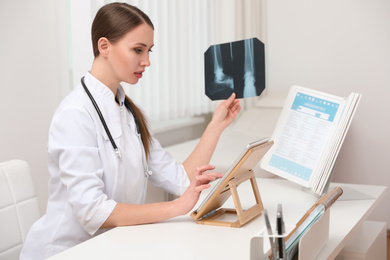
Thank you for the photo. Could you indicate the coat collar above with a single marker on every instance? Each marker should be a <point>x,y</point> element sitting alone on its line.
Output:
<point>96,85</point>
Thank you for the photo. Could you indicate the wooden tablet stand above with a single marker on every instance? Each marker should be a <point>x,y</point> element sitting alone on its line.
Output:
<point>243,216</point>
<point>241,171</point>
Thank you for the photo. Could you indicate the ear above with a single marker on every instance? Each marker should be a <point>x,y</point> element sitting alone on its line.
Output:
<point>104,46</point>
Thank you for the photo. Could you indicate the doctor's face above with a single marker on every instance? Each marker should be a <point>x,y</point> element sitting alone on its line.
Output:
<point>129,57</point>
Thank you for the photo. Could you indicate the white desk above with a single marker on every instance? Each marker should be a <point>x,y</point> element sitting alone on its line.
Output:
<point>181,238</point>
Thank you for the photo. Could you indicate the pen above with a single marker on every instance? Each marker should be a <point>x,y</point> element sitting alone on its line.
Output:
<point>280,227</point>
<point>269,230</point>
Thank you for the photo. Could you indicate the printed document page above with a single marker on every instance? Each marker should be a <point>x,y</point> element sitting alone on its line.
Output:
<point>305,127</point>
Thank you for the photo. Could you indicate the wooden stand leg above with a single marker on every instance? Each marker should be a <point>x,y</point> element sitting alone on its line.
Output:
<point>243,216</point>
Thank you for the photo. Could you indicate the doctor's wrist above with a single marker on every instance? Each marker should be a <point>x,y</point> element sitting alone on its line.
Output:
<point>216,126</point>
<point>177,207</point>
<point>182,206</point>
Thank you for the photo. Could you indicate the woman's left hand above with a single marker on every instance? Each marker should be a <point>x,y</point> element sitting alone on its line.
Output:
<point>227,111</point>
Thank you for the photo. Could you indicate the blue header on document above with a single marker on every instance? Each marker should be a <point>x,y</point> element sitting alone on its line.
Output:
<point>314,106</point>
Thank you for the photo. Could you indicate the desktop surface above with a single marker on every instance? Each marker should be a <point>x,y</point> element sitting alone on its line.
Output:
<point>182,238</point>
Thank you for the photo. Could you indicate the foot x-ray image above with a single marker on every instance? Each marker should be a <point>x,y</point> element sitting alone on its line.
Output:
<point>237,67</point>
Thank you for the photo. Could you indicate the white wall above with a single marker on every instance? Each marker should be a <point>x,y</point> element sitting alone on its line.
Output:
<point>335,46</point>
<point>339,47</point>
<point>31,82</point>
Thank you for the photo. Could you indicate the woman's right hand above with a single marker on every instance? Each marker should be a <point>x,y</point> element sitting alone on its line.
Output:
<point>200,182</point>
<point>226,112</point>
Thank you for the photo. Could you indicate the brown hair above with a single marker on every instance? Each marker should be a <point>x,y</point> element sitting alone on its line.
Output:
<point>113,21</point>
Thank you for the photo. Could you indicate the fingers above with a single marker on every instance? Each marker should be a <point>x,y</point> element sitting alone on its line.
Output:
<point>206,178</point>
<point>199,183</point>
<point>213,174</point>
<point>202,182</point>
<point>235,106</point>
<point>231,100</point>
<point>203,168</point>
<point>202,171</point>
<point>202,187</point>
<point>234,109</point>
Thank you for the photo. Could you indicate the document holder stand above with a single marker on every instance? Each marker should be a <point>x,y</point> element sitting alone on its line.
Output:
<point>310,244</point>
<point>243,216</point>
<point>326,186</point>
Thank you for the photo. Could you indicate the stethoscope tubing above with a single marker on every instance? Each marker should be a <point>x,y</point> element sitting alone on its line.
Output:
<point>116,149</point>
<point>101,118</point>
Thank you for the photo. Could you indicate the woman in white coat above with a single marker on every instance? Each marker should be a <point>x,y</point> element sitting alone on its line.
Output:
<point>93,186</point>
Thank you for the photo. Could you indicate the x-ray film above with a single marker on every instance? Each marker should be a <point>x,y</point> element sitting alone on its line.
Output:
<point>237,67</point>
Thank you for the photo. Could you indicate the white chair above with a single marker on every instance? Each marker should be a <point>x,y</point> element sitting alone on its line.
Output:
<point>18,207</point>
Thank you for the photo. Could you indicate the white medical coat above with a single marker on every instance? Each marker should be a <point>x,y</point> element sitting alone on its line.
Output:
<point>87,177</point>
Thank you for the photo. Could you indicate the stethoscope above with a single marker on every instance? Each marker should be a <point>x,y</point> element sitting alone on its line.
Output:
<point>116,149</point>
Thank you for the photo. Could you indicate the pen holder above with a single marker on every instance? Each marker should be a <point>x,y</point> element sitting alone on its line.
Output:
<point>261,244</point>
<point>309,246</point>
